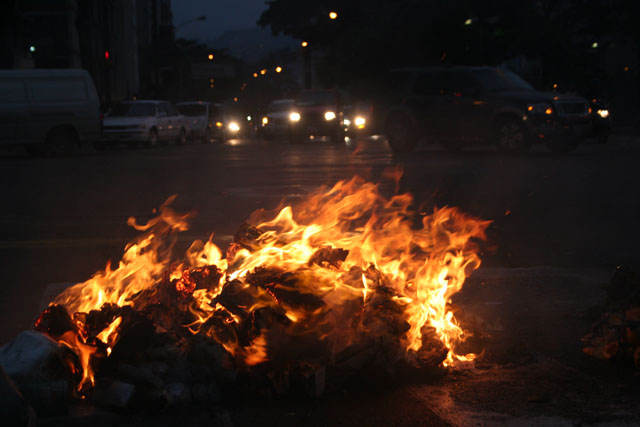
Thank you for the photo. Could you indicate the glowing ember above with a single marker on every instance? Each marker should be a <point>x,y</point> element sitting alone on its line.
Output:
<point>346,267</point>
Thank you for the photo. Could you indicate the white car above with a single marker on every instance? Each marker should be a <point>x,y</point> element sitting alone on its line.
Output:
<point>276,121</point>
<point>205,119</point>
<point>147,122</point>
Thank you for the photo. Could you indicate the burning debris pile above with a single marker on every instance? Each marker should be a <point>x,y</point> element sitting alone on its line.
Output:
<point>616,335</point>
<point>342,281</point>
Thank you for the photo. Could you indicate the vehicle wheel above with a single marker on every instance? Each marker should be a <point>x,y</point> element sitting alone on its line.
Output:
<point>401,133</point>
<point>207,136</point>
<point>34,150</point>
<point>60,142</point>
<point>182,137</point>
<point>510,136</point>
<point>152,139</point>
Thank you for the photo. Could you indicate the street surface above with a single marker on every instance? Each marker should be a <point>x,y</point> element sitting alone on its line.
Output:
<point>63,218</point>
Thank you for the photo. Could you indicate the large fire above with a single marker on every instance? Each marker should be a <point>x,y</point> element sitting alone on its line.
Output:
<point>346,266</point>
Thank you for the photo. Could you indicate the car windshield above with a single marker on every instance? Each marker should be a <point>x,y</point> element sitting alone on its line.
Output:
<point>496,80</point>
<point>275,107</point>
<point>134,109</point>
<point>316,98</point>
<point>192,110</point>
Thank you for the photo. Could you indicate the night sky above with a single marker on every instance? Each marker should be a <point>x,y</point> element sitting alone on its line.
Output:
<point>222,15</point>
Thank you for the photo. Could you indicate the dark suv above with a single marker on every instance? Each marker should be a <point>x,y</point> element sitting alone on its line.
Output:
<point>317,113</point>
<point>463,105</point>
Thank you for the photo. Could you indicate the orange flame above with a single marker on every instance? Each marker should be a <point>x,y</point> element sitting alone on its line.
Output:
<point>343,247</point>
<point>85,352</point>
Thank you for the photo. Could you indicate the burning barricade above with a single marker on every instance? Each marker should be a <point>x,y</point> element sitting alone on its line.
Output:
<point>343,280</point>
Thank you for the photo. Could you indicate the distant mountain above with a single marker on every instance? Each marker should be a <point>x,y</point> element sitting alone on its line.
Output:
<point>251,45</point>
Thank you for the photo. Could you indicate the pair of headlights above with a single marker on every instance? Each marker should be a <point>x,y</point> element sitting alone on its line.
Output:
<point>541,108</point>
<point>232,126</point>
<point>294,116</point>
<point>359,122</point>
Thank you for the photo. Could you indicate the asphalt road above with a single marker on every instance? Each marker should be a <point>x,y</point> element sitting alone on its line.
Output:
<point>63,218</point>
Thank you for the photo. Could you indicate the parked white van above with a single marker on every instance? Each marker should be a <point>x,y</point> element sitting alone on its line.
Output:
<point>48,111</point>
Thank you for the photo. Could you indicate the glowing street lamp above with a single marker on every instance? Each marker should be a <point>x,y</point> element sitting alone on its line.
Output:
<point>263,71</point>
<point>333,15</point>
<point>304,44</point>
<point>278,69</point>
<point>255,75</point>
<point>32,49</point>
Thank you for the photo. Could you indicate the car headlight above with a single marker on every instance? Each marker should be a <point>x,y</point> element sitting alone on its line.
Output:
<point>360,122</point>
<point>346,122</point>
<point>294,116</point>
<point>329,115</point>
<point>540,108</point>
<point>234,127</point>
<point>265,120</point>
<point>603,113</point>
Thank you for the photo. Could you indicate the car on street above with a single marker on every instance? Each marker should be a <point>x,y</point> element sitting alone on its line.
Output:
<point>235,124</point>
<point>205,119</point>
<point>601,120</point>
<point>275,123</point>
<point>48,111</point>
<point>317,113</point>
<point>460,106</point>
<point>145,121</point>
<point>355,120</point>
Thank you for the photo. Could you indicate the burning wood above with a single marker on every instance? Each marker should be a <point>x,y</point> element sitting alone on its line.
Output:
<point>616,335</point>
<point>295,294</point>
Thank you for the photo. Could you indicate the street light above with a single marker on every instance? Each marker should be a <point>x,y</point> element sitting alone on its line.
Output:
<point>333,15</point>
<point>210,57</point>
<point>278,69</point>
<point>263,71</point>
<point>304,44</point>
<point>32,49</point>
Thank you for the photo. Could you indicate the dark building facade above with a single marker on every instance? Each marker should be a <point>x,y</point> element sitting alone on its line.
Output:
<point>120,42</point>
